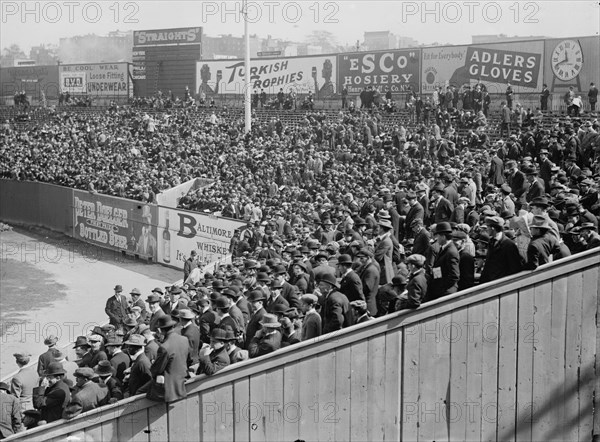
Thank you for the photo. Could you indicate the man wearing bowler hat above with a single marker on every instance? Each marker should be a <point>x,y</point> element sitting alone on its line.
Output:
<point>368,272</point>
<point>214,357</point>
<point>335,307</point>
<point>441,209</point>
<point>116,307</point>
<point>416,211</point>
<point>383,254</point>
<point>87,396</point>
<point>190,331</point>
<point>170,366</point>
<point>267,339</point>
<point>156,312</point>
<point>442,264</point>
<point>350,283</point>
<point>176,303</point>
<point>289,292</point>
<point>389,294</point>
<point>114,387</point>
<point>256,299</point>
<point>53,395</point>
<point>82,350</point>
<point>503,257</point>
<point>589,234</point>
<point>236,354</point>
<point>536,185</point>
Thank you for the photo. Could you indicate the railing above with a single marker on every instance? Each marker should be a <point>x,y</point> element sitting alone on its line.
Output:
<point>514,359</point>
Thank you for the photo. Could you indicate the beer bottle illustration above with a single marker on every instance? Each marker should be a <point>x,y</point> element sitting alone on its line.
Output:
<point>166,240</point>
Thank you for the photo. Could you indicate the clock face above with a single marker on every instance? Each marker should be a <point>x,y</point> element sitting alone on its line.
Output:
<point>567,60</point>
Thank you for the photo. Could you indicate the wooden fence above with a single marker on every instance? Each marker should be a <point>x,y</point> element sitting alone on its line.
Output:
<point>515,359</point>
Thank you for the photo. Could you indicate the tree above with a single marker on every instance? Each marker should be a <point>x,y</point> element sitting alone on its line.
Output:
<point>325,39</point>
<point>10,54</point>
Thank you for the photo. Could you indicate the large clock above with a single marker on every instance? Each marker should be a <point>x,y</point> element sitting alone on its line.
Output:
<point>567,60</point>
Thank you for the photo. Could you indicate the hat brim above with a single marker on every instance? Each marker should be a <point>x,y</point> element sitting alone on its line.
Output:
<point>270,324</point>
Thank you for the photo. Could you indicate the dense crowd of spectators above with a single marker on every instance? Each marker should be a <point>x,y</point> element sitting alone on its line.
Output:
<point>348,216</point>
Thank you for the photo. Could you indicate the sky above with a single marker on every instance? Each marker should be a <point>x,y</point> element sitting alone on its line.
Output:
<point>32,23</point>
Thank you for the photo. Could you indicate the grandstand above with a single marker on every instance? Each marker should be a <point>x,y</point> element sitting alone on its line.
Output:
<point>339,214</point>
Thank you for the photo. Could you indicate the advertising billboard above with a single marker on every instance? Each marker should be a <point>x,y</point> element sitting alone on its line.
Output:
<point>572,62</point>
<point>161,37</point>
<point>103,80</point>
<point>182,231</point>
<point>493,65</point>
<point>396,69</point>
<point>115,223</point>
<point>301,74</point>
<point>32,79</point>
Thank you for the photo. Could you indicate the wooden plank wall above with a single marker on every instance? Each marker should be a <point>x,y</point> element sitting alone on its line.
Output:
<point>519,364</point>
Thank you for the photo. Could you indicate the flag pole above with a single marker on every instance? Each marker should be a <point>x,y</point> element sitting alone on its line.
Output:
<point>247,88</point>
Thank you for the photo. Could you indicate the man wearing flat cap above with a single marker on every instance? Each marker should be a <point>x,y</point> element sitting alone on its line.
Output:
<point>442,264</point>
<point>416,288</point>
<point>466,262</point>
<point>360,312</point>
<point>10,413</point>
<point>368,271</point>
<point>116,307</point>
<point>311,325</point>
<point>137,301</point>
<point>139,373</point>
<point>96,351</point>
<point>23,383</point>
<point>503,257</point>
<point>189,265</point>
<point>45,358</point>
<point>53,395</point>
<point>88,395</point>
